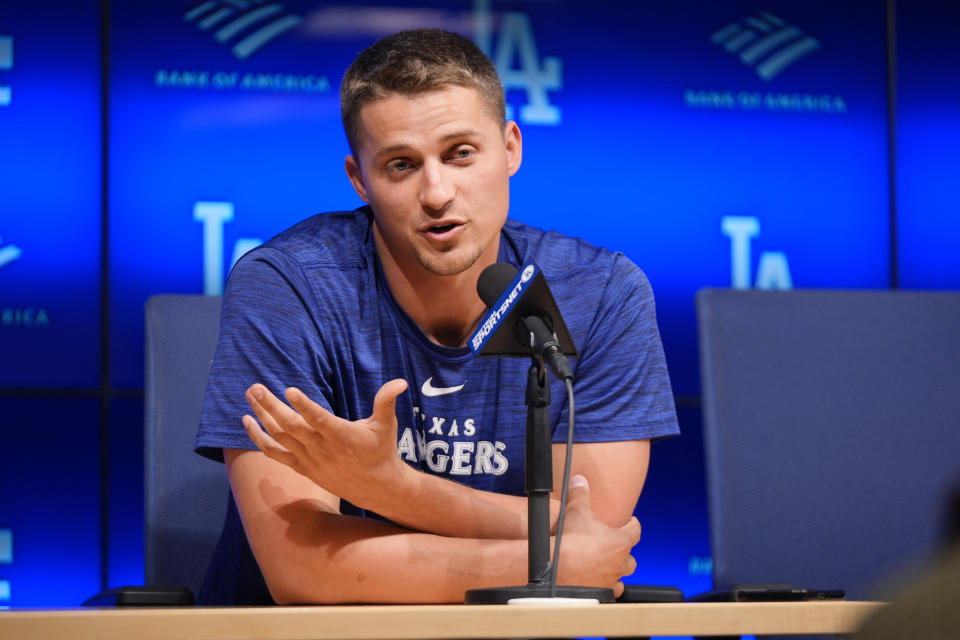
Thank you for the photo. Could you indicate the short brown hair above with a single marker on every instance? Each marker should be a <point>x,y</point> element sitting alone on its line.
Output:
<point>416,61</point>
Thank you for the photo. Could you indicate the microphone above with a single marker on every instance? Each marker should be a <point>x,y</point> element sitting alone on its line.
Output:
<point>533,327</point>
<point>523,319</point>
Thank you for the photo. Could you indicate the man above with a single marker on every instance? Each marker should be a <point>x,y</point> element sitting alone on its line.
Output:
<point>397,475</point>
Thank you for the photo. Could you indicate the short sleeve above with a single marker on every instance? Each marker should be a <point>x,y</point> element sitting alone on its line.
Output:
<point>271,333</point>
<point>622,387</point>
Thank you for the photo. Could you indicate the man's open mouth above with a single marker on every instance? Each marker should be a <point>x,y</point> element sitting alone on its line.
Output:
<point>442,228</point>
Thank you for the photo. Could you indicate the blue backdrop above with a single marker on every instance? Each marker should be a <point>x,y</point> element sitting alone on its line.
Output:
<point>715,145</point>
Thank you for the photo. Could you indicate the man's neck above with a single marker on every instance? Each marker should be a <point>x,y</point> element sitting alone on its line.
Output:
<point>446,308</point>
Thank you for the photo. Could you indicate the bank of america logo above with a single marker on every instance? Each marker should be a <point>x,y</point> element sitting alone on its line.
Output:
<point>8,253</point>
<point>247,24</point>
<point>766,43</point>
<point>6,63</point>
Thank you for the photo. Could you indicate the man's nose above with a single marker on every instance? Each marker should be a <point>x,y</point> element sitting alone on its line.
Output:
<point>436,188</point>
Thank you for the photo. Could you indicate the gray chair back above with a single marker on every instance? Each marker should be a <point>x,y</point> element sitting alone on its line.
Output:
<point>831,432</point>
<point>185,494</point>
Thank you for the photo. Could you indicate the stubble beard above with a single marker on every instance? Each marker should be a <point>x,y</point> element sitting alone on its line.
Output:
<point>449,263</point>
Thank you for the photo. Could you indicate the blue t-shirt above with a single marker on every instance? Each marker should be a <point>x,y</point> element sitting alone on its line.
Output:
<point>311,308</point>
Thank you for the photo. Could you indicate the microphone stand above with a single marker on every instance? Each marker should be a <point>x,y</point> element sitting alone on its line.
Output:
<point>538,485</point>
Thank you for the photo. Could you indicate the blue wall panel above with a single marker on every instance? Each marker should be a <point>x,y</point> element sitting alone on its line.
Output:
<point>50,499</point>
<point>50,173</point>
<point>276,155</point>
<point>125,509</point>
<point>674,546</point>
<point>928,145</point>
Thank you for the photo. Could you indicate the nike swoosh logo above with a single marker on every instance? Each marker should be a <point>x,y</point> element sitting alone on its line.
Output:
<point>430,391</point>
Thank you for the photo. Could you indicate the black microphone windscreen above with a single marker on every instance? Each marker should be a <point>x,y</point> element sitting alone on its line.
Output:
<point>494,280</point>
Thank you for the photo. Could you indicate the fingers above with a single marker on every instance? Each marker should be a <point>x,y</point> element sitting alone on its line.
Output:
<point>266,444</point>
<point>283,424</point>
<point>314,413</point>
<point>579,494</point>
<point>633,529</point>
<point>270,410</point>
<point>385,402</point>
<point>618,589</point>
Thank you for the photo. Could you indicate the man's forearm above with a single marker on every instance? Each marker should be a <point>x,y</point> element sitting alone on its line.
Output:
<point>433,504</point>
<point>331,558</point>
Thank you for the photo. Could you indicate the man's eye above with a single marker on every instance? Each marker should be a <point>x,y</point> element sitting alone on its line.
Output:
<point>398,166</point>
<point>462,153</point>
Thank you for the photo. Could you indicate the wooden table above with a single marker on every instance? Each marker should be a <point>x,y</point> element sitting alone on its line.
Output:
<point>436,621</point>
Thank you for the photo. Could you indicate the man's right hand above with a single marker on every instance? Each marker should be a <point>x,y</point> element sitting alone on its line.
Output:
<point>593,553</point>
<point>355,460</point>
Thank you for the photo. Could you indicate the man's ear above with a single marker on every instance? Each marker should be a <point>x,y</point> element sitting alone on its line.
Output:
<point>514,144</point>
<point>356,178</point>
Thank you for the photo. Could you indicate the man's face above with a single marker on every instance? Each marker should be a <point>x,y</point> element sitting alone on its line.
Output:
<point>435,169</point>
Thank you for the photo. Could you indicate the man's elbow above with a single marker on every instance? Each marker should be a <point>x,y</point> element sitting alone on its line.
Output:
<point>287,590</point>
<point>302,585</point>
<point>286,594</point>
